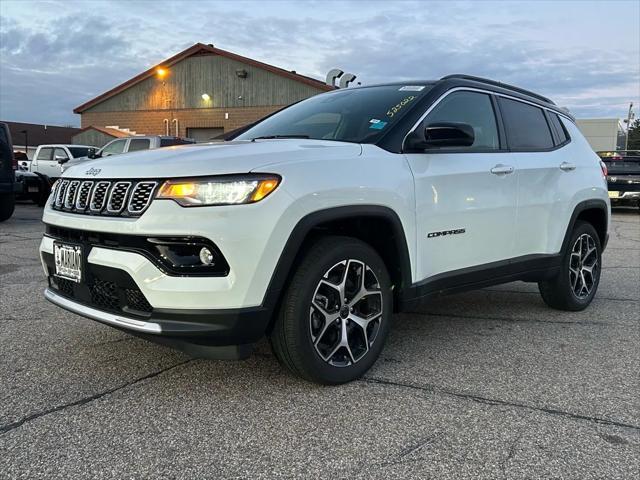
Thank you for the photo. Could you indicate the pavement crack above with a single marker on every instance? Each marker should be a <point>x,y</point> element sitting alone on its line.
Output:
<point>416,447</point>
<point>83,401</point>
<point>512,450</point>
<point>490,401</point>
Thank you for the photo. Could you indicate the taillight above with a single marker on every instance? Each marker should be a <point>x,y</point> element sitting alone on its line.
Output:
<point>603,167</point>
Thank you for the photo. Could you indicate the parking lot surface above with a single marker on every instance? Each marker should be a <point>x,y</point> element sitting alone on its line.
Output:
<point>490,384</point>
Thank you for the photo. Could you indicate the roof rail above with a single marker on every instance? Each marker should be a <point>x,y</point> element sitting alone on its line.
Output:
<point>462,76</point>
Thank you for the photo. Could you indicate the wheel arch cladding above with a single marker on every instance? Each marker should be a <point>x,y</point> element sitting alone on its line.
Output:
<point>593,212</point>
<point>380,227</point>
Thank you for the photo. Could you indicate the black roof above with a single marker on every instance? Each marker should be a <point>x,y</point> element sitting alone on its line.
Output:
<point>460,79</point>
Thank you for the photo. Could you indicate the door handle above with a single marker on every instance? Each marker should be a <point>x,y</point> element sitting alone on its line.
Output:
<point>567,167</point>
<point>502,169</point>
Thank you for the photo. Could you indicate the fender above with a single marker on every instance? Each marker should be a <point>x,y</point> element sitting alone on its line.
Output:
<point>306,224</point>
<point>581,207</point>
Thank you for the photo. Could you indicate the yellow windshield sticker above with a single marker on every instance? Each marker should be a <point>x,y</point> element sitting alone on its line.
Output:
<point>397,107</point>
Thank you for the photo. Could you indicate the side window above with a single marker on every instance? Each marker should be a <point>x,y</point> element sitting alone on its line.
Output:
<point>474,109</point>
<point>45,154</point>
<point>114,148</point>
<point>559,128</point>
<point>79,151</point>
<point>139,144</point>
<point>526,126</point>
<point>60,154</point>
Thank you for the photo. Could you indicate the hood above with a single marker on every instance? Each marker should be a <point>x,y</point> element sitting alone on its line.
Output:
<point>209,159</point>
<point>73,162</point>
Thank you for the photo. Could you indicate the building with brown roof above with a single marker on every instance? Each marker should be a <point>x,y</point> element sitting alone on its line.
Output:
<point>100,136</point>
<point>202,92</point>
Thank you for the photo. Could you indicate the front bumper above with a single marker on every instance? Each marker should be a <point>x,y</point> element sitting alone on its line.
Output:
<point>191,313</point>
<point>111,292</point>
<point>187,328</point>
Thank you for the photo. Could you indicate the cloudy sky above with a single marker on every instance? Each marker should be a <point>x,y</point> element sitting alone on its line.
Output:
<point>57,54</point>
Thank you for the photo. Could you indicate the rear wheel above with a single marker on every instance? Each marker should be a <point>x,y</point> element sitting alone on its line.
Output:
<point>7,205</point>
<point>335,314</point>
<point>575,286</point>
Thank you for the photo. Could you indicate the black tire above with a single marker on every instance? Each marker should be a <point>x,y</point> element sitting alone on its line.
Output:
<point>292,336</point>
<point>7,206</point>
<point>40,199</point>
<point>561,292</point>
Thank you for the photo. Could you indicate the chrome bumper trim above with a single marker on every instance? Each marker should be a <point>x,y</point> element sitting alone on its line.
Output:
<point>101,316</point>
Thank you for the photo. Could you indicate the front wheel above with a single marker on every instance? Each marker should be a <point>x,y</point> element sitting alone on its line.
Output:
<point>575,286</point>
<point>336,312</point>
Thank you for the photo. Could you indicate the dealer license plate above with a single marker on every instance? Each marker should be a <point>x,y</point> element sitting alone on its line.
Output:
<point>614,194</point>
<point>68,260</point>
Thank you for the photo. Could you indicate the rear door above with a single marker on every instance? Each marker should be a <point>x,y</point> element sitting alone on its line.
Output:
<point>547,175</point>
<point>465,198</point>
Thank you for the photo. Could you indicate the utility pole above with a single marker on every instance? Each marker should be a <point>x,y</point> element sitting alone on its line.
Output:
<point>629,119</point>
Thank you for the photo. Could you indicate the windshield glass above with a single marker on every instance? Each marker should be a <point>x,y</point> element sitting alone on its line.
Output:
<point>358,115</point>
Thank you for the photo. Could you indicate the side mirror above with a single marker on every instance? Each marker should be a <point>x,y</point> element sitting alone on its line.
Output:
<point>61,160</point>
<point>94,154</point>
<point>439,135</point>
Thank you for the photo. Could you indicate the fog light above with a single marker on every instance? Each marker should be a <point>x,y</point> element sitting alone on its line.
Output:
<point>206,256</point>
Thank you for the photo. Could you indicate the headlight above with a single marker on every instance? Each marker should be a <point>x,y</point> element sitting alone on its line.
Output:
<point>223,190</point>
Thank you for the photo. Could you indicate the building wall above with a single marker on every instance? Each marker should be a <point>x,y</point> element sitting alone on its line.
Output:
<point>601,133</point>
<point>92,138</point>
<point>151,122</point>
<point>214,75</point>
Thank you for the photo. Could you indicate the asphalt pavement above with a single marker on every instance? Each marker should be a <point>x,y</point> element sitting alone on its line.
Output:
<point>485,384</point>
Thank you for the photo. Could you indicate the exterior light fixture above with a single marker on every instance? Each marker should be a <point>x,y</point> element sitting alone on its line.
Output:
<point>161,72</point>
<point>205,97</point>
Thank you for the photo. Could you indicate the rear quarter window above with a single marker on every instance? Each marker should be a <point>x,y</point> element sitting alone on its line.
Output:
<point>561,132</point>
<point>526,126</point>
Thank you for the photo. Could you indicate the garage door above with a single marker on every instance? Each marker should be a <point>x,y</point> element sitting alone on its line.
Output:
<point>205,134</point>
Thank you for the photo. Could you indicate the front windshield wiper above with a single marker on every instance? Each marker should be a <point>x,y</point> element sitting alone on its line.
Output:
<point>270,137</point>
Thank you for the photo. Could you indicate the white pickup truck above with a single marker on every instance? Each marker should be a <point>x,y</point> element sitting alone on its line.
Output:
<point>48,159</point>
<point>129,144</point>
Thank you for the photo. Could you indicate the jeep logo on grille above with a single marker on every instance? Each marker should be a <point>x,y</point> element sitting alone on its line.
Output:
<point>93,171</point>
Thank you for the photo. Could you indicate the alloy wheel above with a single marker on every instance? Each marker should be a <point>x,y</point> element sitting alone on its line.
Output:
<point>583,266</point>
<point>346,313</point>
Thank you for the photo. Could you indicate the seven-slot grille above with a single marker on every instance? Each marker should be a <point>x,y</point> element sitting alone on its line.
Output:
<point>104,197</point>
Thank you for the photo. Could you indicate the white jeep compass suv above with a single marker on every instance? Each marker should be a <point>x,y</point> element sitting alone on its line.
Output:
<point>316,224</point>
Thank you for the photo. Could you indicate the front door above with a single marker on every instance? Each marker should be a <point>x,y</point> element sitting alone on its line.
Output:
<point>465,198</point>
<point>45,164</point>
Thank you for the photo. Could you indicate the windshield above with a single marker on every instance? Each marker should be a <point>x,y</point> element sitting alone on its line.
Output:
<point>360,115</point>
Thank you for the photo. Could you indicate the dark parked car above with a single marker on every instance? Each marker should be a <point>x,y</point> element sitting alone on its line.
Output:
<point>623,176</point>
<point>8,166</point>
